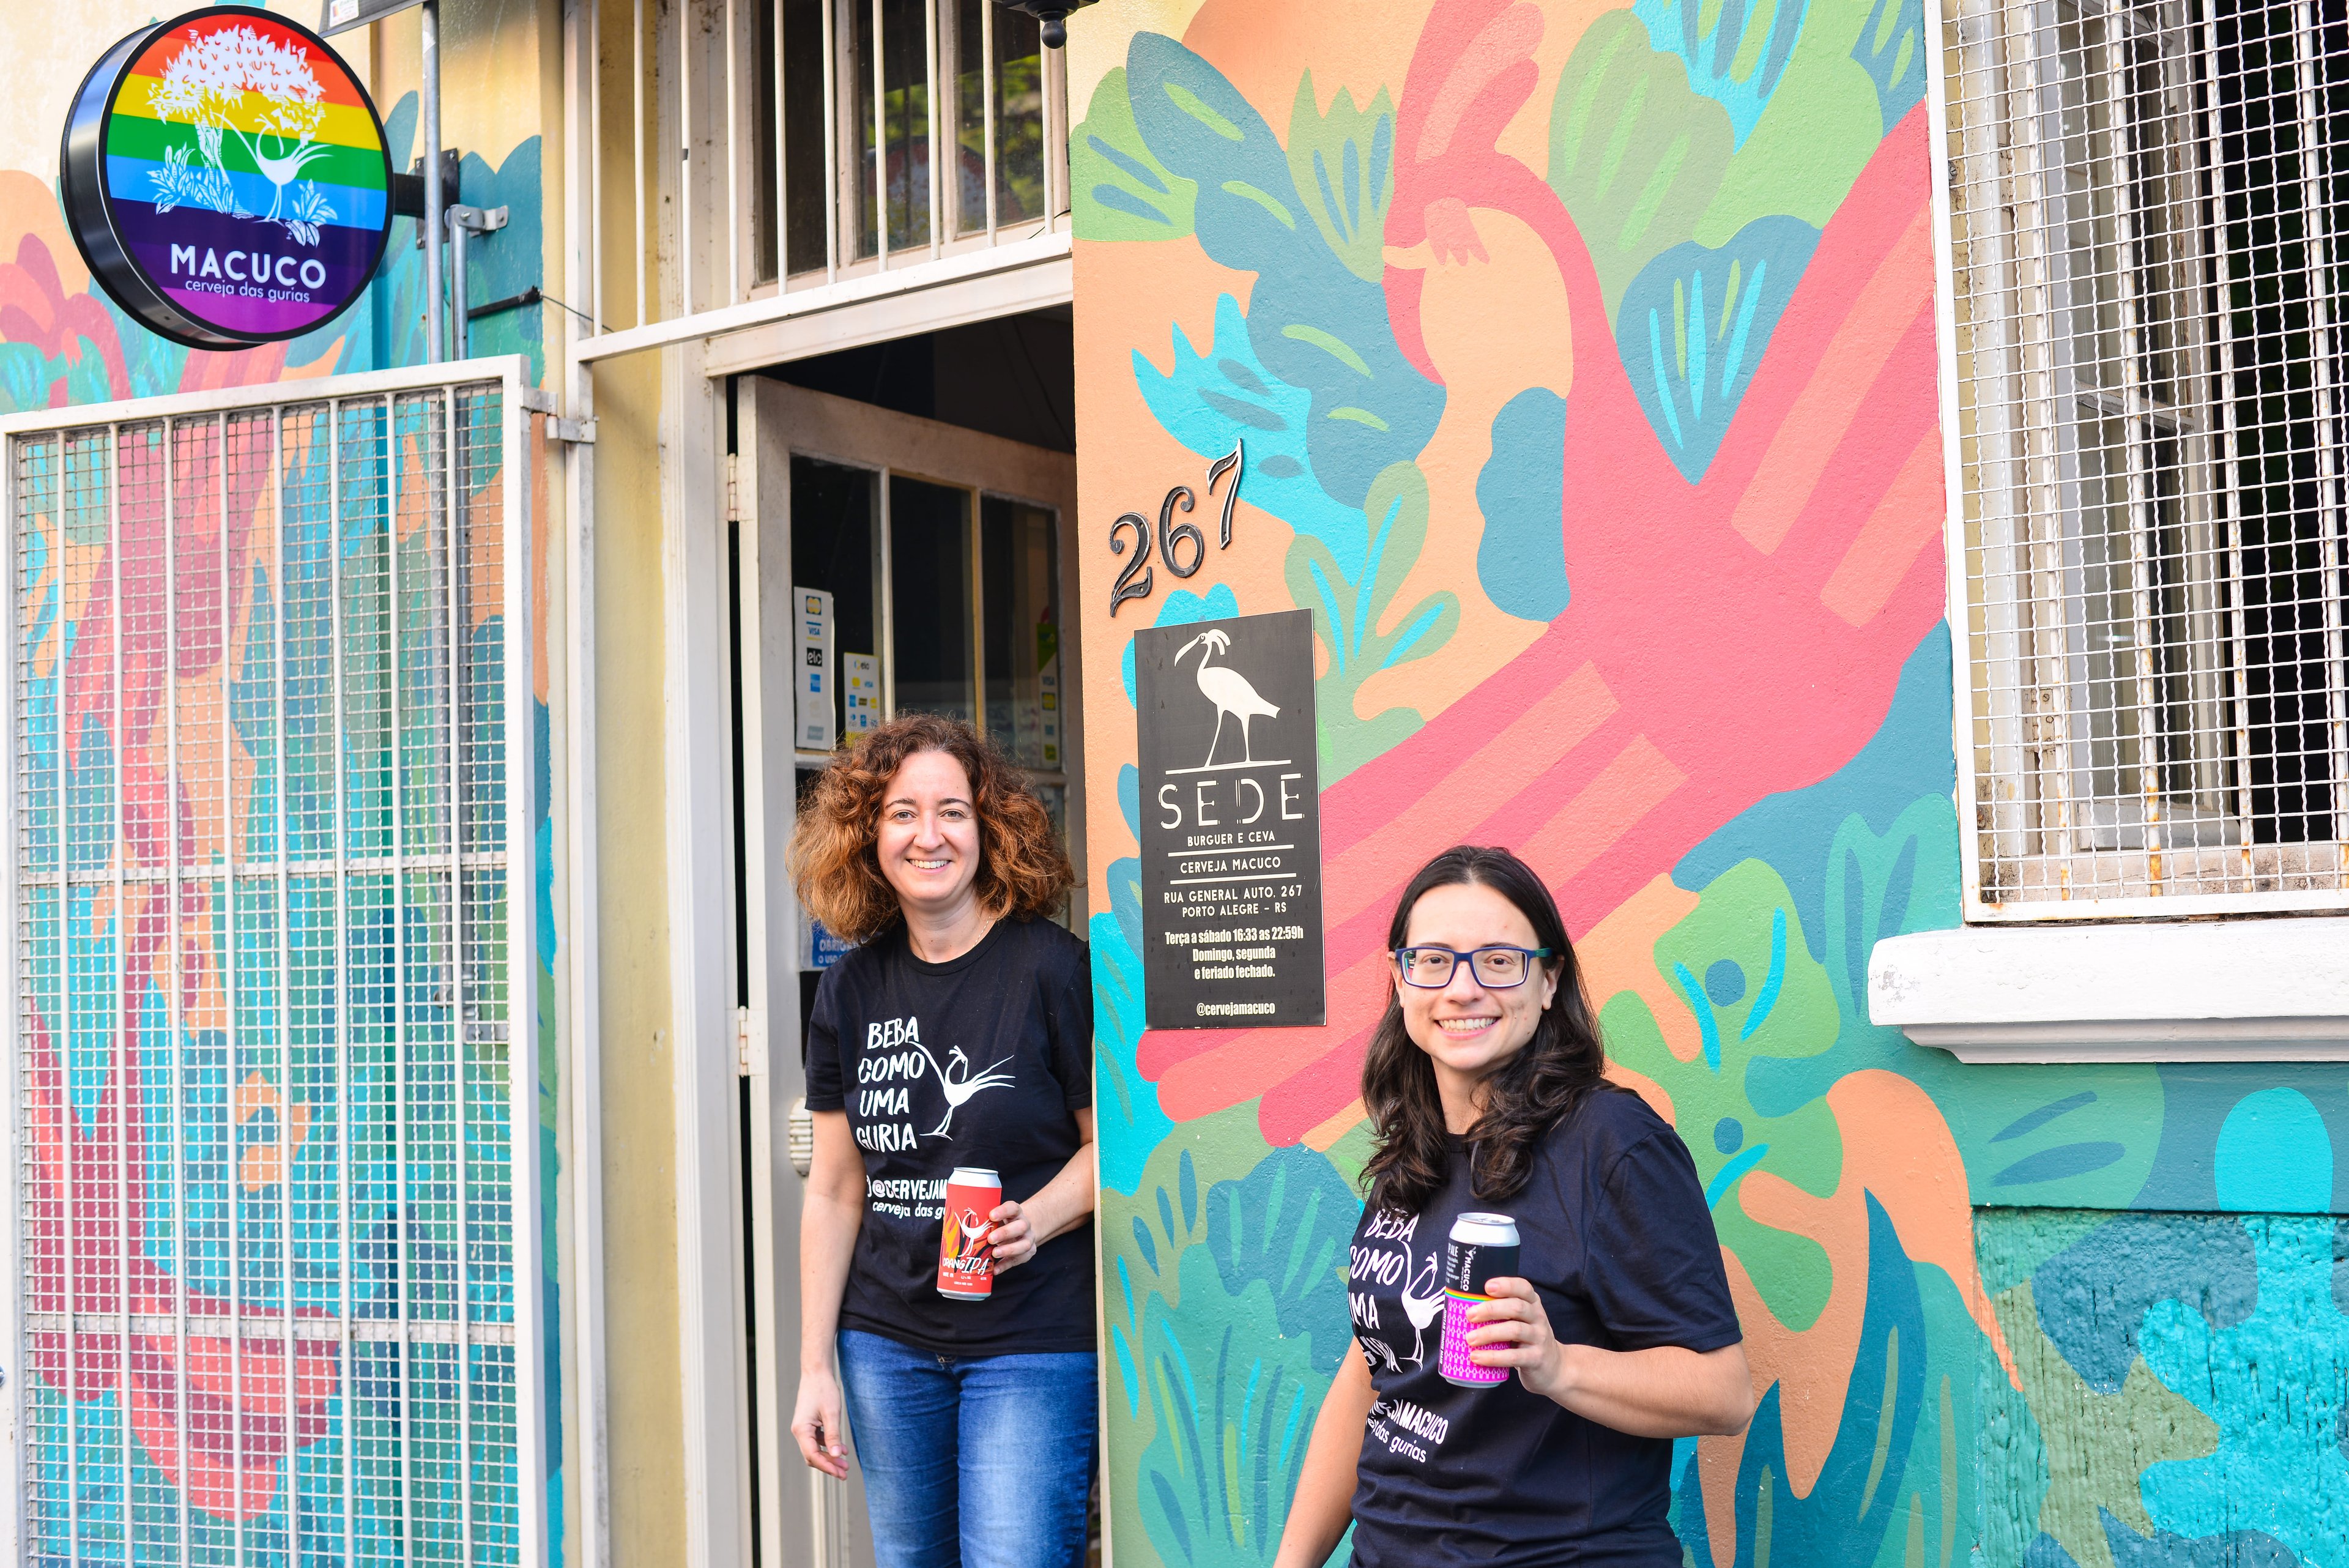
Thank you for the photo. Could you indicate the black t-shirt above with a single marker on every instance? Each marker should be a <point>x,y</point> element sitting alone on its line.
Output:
<point>982,1061</point>
<point>1617,1239</point>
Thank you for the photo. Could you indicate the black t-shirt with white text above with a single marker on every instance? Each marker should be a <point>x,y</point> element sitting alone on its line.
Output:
<point>984,1060</point>
<point>1617,1239</point>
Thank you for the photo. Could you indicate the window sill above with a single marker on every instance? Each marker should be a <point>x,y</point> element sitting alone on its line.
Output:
<point>2231,990</point>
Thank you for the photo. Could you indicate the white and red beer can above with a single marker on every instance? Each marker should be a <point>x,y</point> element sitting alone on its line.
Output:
<point>965,1262</point>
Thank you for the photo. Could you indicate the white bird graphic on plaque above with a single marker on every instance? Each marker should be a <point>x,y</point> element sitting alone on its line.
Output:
<point>1228,690</point>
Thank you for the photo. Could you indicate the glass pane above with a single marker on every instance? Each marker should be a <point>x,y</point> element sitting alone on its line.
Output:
<point>2145,640</point>
<point>970,115</point>
<point>929,588</point>
<point>1018,119</point>
<point>805,142</point>
<point>763,226</point>
<point>1020,568</point>
<point>903,121</point>
<point>834,513</point>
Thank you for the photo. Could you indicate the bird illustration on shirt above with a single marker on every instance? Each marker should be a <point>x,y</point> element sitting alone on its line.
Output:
<point>1423,1308</point>
<point>958,1090</point>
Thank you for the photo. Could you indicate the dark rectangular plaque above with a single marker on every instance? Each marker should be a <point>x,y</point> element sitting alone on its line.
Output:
<point>1231,823</point>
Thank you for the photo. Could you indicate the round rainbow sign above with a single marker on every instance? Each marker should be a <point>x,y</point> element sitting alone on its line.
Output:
<point>225,178</point>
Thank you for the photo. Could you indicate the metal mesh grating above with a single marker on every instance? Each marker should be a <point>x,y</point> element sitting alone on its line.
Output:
<point>266,1183</point>
<point>2145,206</point>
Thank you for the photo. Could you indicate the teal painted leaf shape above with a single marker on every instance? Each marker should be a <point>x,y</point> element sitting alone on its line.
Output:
<point>2277,1383</point>
<point>1232,1400</point>
<point>1736,50</point>
<point>1133,1123</point>
<point>1315,323</point>
<point>1694,325</point>
<point>1212,400</point>
<point>2087,1142</point>
<point>25,377</point>
<point>1891,50</point>
<point>1122,191</point>
<point>1521,491</point>
<point>1287,1223</point>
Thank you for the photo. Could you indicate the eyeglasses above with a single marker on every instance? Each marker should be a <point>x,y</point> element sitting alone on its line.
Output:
<point>1495,969</point>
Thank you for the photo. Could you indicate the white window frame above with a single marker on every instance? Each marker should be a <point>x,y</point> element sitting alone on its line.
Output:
<point>511,375</point>
<point>675,254</point>
<point>2054,981</point>
<point>2001,717</point>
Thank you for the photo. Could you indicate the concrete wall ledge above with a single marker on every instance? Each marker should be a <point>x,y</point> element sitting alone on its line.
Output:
<point>2232,990</point>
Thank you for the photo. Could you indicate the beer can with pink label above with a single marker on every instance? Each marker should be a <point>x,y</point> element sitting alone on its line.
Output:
<point>965,1262</point>
<point>1482,1247</point>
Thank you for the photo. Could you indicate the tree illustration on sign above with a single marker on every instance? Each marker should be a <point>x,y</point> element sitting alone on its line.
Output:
<point>234,80</point>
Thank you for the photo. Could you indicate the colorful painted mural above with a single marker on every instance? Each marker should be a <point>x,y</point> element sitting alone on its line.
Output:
<point>246,1109</point>
<point>1585,360</point>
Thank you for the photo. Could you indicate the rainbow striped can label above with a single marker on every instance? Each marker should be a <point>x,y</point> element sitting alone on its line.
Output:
<point>227,178</point>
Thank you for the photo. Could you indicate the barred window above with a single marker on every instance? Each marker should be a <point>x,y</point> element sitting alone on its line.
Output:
<point>2145,203</point>
<point>277,1294</point>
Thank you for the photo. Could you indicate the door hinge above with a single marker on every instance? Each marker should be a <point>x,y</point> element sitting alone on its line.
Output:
<point>538,400</point>
<point>733,503</point>
<point>749,1044</point>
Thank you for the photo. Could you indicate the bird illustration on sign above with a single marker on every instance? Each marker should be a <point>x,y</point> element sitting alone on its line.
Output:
<point>1231,693</point>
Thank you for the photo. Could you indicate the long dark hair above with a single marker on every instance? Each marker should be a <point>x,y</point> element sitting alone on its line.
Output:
<point>1531,1092</point>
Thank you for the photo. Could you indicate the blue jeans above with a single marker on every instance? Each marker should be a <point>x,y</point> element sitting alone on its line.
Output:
<point>971,1462</point>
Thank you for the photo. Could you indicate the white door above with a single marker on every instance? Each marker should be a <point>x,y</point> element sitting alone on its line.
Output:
<point>945,559</point>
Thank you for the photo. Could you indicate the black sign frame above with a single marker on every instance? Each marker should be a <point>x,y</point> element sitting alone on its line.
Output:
<point>90,209</point>
<point>1228,749</point>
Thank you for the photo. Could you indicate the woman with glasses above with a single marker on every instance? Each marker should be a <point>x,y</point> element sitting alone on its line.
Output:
<point>1485,1090</point>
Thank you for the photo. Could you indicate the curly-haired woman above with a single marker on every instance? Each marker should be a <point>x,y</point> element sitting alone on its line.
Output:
<point>958,1032</point>
<point>1485,1089</point>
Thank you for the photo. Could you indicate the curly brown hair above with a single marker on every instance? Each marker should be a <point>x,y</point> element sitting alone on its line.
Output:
<point>1023,872</point>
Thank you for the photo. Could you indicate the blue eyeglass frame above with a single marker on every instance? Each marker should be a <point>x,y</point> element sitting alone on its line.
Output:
<point>1402,970</point>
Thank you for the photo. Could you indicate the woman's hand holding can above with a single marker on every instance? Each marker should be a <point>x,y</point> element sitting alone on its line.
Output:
<point>1512,1329</point>
<point>1009,1237</point>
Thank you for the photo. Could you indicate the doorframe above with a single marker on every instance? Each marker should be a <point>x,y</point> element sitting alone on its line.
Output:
<point>801,1515</point>
<point>700,841</point>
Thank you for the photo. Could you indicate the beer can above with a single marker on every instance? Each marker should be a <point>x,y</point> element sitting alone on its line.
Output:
<point>965,1262</point>
<point>1481,1249</point>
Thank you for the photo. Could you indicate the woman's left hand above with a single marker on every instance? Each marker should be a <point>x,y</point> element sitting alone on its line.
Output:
<point>1513,1330</point>
<point>1010,1236</point>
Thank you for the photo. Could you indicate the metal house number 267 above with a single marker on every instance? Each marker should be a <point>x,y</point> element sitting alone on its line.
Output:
<point>1181,545</point>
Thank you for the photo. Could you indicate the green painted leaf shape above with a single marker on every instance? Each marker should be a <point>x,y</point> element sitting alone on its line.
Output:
<point>1122,190</point>
<point>1343,165</point>
<point>1354,619</point>
<point>1232,1400</point>
<point>1635,156</point>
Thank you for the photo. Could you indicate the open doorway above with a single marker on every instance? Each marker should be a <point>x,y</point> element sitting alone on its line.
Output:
<point>886,560</point>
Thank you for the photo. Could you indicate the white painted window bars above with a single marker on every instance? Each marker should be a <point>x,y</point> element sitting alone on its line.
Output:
<point>2145,206</point>
<point>799,143</point>
<point>273,1086</point>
